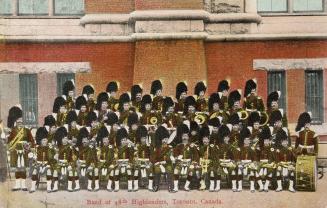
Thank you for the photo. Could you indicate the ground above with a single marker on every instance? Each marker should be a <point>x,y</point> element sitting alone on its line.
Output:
<point>103,198</point>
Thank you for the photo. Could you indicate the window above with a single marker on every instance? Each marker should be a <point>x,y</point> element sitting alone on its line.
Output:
<point>307,5</point>
<point>314,94</point>
<point>61,79</point>
<point>272,5</point>
<point>276,82</point>
<point>33,7</point>
<point>29,98</point>
<point>5,7</point>
<point>64,7</point>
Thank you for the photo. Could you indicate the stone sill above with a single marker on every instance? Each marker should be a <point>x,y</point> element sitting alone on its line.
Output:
<point>41,17</point>
<point>169,36</point>
<point>235,18</point>
<point>263,14</point>
<point>105,19</point>
<point>266,37</point>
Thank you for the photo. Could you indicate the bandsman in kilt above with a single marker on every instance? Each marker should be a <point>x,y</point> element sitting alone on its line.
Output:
<point>81,151</point>
<point>223,91</point>
<point>150,117</point>
<point>92,163</point>
<point>68,93</point>
<point>307,140</point>
<point>170,118</point>
<point>234,102</point>
<point>209,161</point>
<point>187,158</point>
<point>112,126</point>
<point>124,160</point>
<point>216,108</point>
<point>194,132</point>
<point>82,110</point>
<point>50,126</point>
<point>276,124</point>
<point>106,154</point>
<point>124,108</point>
<point>201,102</point>
<point>252,102</point>
<point>181,94</point>
<point>112,89</point>
<point>20,146</point>
<point>59,111</point>
<point>43,160</point>
<point>136,97</point>
<point>156,92</point>
<point>102,108</point>
<point>162,158</point>
<point>189,108</point>
<point>272,105</point>
<point>72,126</point>
<point>143,166</point>
<point>88,94</point>
<point>93,125</point>
<point>214,125</point>
<point>132,124</point>
<point>285,160</point>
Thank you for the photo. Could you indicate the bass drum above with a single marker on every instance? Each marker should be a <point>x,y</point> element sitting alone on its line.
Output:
<point>306,173</point>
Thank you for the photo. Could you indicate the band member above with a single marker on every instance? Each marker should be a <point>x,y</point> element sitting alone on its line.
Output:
<point>81,106</point>
<point>88,94</point>
<point>181,94</point>
<point>307,140</point>
<point>156,91</point>
<point>43,159</point>
<point>194,132</point>
<point>215,108</point>
<point>106,154</point>
<point>143,166</point>
<point>20,146</point>
<point>267,160</point>
<point>102,107</point>
<point>235,135</point>
<point>50,126</point>
<point>81,151</point>
<point>187,158</point>
<point>276,124</point>
<point>149,117</point>
<point>234,102</point>
<point>124,108</point>
<point>189,108</point>
<point>132,123</point>
<point>214,125</point>
<point>246,158</point>
<point>223,90</point>
<point>68,94</point>
<point>113,126</point>
<point>256,122</point>
<point>60,111</point>
<point>170,118</point>
<point>201,102</point>
<point>285,160</point>
<point>136,97</point>
<point>272,105</point>
<point>124,160</point>
<point>162,158</point>
<point>72,126</point>
<point>92,163</point>
<point>112,89</point>
<point>93,125</point>
<point>209,161</point>
<point>252,102</point>
<point>227,165</point>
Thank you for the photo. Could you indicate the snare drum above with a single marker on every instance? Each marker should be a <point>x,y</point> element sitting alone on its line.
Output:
<point>306,173</point>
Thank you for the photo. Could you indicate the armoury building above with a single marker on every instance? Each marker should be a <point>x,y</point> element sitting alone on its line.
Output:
<point>281,43</point>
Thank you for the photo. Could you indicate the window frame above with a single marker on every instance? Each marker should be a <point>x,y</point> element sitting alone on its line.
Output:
<point>50,14</point>
<point>60,83</point>
<point>275,12</point>
<point>321,91</point>
<point>22,99</point>
<point>283,87</point>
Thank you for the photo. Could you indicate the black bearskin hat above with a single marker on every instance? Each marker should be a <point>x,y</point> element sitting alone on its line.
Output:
<point>234,119</point>
<point>146,99</point>
<point>303,119</point>
<point>14,114</point>
<point>121,134</point>
<point>215,122</point>
<point>132,118</point>
<point>83,133</point>
<point>80,101</point>
<point>275,116</point>
<point>280,136</point>
<point>167,102</point>
<point>214,98</point>
<point>160,134</point>
<point>233,97</point>
<point>124,98</point>
<point>102,133</point>
<point>264,134</point>
<point>223,132</point>
<point>273,96</point>
<point>135,90</point>
<point>253,118</point>
<point>141,132</point>
<point>194,126</point>
<point>59,101</point>
<point>41,133</point>
<point>71,116</point>
<point>49,121</point>
<point>91,116</point>
<point>245,133</point>
<point>200,86</point>
<point>189,101</point>
<point>155,86</point>
<point>223,85</point>
<point>204,132</point>
<point>249,86</point>
<point>112,118</point>
<point>88,90</point>
<point>68,86</point>
<point>112,87</point>
<point>60,134</point>
<point>180,88</point>
<point>102,97</point>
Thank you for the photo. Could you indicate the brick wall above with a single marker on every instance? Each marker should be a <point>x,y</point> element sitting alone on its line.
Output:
<point>168,4</point>
<point>109,6</point>
<point>171,61</point>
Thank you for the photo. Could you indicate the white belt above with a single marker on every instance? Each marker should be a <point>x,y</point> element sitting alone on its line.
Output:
<point>306,146</point>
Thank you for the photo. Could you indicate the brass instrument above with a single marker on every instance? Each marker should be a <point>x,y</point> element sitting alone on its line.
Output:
<point>244,114</point>
<point>266,116</point>
<point>200,117</point>
<point>214,115</point>
<point>204,163</point>
<point>116,106</point>
<point>153,120</point>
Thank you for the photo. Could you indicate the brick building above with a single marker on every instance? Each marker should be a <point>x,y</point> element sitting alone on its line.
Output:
<point>282,43</point>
